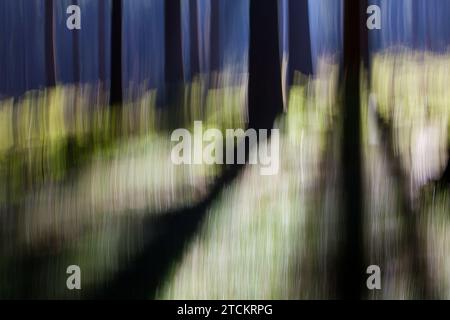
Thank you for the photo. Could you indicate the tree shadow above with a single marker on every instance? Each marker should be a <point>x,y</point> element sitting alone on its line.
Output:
<point>162,248</point>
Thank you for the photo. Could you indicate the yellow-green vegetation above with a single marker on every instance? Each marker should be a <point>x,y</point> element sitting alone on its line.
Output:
<point>409,92</point>
<point>48,133</point>
<point>45,133</point>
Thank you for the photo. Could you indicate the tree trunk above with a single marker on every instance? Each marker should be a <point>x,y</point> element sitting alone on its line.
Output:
<point>49,52</point>
<point>265,100</point>
<point>351,273</point>
<point>173,51</point>
<point>193,26</point>
<point>76,52</point>
<point>214,36</point>
<point>116,54</point>
<point>101,40</point>
<point>173,64</point>
<point>445,177</point>
<point>299,39</point>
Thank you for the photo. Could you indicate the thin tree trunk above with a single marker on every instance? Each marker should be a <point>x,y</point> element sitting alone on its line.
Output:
<point>214,37</point>
<point>299,39</point>
<point>101,40</point>
<point>116,97</point>
<point>76,52</point>
<point>49,49</point>
<point>193,26</point>
<point>265,100</point>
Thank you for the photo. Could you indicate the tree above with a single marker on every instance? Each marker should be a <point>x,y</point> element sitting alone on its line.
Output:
<point>173,53</point>
<point>265,99</point>
<point>116,54</point>
<point>299,39</point>
<point>445,177</point>
<point>214,36</point>
<point>101,40</point>
<point>76,52</point>
<point>193,29</point>
<point>49,49</point>
<point>351,264</point>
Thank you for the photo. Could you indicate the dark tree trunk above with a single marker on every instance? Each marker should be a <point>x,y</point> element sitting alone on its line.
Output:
<point>76,52</point>
<point>193,26</point>
<point>116,54</point>
<point>351,272</point>
<point>101,40</point>
<point>173,51</point>
<point>214,36</point>
<point>299,39</point>
<point>265,100</point>
<point>364,38</point>
<point>49,52</point>
<point>445,177</point>
<point>173,61</point>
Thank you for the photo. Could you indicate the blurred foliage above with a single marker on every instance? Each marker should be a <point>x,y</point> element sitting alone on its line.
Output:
<point>79,177</point>
<point>405,128</point>
<point>411,92</point>
<point>259,240</point>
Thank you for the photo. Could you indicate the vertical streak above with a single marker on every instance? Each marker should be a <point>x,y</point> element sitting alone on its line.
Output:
<point>49,44</point>
<point>351,282</point>
<point>101,40</point>
<point>299,39</point>
<point>76,52</point>
<point>193,26</point>
<point>214,51</point>
<point>116,54</point>
<point>265,100</point>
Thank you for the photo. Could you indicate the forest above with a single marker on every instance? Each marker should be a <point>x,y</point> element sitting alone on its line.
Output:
<point>93,206</point>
